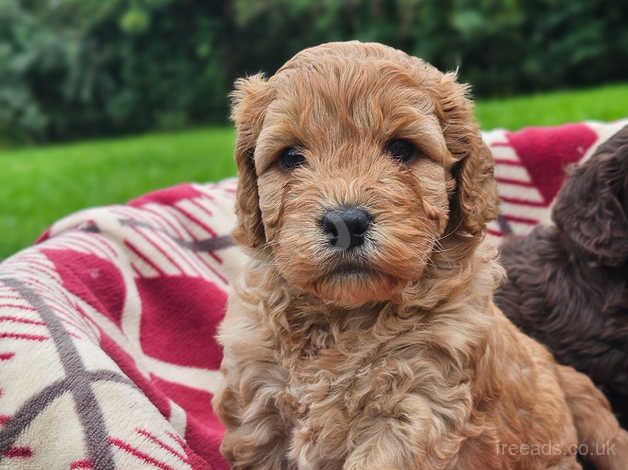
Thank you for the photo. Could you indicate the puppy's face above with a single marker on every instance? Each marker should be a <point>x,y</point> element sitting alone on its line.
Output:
<point>353,180</point>
<point>353,172</point>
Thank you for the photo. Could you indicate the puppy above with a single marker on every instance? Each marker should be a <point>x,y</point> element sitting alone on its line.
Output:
<point>568,285</point>
<point>363,334</point>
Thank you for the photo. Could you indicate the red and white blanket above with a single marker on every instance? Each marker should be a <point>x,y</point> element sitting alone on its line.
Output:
<point>107,350</point>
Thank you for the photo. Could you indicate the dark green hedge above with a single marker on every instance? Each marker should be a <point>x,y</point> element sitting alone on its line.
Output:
<point>71,68</point>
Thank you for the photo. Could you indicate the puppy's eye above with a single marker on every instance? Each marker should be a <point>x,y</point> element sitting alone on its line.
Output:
<point>401,150</point>
<point>290,158</point>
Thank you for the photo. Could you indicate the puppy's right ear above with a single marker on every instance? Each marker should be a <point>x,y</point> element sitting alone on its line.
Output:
<point>250,99</point>
<point>592,207</point>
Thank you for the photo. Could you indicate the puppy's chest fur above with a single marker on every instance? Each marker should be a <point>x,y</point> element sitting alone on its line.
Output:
<point>335,370</point>
<point>363,369</point>
<point>319,388</point>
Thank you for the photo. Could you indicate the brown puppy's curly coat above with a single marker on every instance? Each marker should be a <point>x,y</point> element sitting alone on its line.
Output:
<point>363,333</point>
<point>568,284</point>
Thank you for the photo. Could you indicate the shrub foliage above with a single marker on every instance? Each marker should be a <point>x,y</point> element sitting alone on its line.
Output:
<point>72,68</point>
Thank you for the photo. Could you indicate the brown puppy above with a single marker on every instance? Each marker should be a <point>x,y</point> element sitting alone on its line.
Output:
<point>568,284</point>
<point>363,333</point>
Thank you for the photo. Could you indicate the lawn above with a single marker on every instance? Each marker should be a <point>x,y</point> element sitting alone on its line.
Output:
<point>41,184</point>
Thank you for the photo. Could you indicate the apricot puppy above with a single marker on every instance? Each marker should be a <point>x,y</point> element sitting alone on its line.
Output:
<point>363,333</point>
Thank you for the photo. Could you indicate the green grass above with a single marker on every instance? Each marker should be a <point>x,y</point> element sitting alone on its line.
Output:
<point>604,103</point>
<point>38,185</point>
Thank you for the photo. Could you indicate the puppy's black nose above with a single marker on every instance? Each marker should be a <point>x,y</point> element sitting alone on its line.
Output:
<point>346,227</point>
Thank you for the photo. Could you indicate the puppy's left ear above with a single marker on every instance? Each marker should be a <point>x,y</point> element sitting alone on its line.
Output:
<point>475,201</point>
<point>250,98</point>
<point>592,206</point>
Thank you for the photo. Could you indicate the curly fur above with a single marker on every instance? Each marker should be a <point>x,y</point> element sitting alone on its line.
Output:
<point>407,364</point>
<point>568,285</point>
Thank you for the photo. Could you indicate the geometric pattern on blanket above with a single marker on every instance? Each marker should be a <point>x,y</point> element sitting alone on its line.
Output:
<point>530,167</point>
<point>107,324</point>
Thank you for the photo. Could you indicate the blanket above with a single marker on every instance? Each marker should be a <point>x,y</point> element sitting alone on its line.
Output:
<point>107,351</point>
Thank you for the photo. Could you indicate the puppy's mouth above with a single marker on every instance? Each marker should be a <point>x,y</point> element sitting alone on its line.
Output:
<point>348,273</point>
<point>354,283</point>
<point>351,270</point>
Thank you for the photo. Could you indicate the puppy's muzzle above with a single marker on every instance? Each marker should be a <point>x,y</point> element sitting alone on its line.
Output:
<point>346,227</point>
